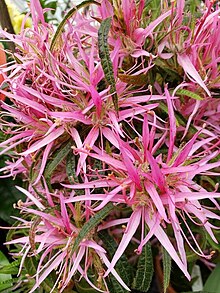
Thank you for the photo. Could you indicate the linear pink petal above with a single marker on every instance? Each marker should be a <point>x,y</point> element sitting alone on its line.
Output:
<point>76,263</point>
<point>92,244</point>
<point>64,213</point>
<point>51,137</point>
<point>112,223</point>
<point>176,227</point>
<point>27,133</point>
<point>149,234</point>
<point>46,216</point>
<point>109,135</point>
<point>32,198</point>
<point>156,172</point>
<point>141,34</point>
<point>96,99</point>
<point>71,116</point>
<point>131,170</point>
<point>188,196</point>
<point>113,271</point>
<point>145,135</point>
<point>164,240</point>
<point>39,107</point>
<point>48,270</point>
<point>185,151</point>
<point>156,199</point>
<point>12,146</point>
<point>108,198</point>
<point>93,184</point>
<point>190,70</point>
<point>88,143</point>
<point>172,126</point>
<point>44,161</point>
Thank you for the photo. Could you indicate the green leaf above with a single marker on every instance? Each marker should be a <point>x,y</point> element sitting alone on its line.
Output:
<point>58,157</point>
<point>189,94</point>
<point>122,266</point>
<point>114,286</point>
<point>91,224</point>
<point>5,279</point>
<point>166,269</point>
<point>212,284</point>
<point>11,268</point>
<point>69,14</point>
<point>145,270</point>
<point>71,168</point>
<point>84,287</point>
<point>105,58</point>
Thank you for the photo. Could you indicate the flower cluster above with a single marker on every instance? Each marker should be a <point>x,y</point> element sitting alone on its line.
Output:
<point>113,124</point>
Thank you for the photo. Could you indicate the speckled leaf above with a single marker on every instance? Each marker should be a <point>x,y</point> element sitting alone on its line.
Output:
<point>105,58</point>
<point>166,269</point>
<point>123,267</point>
<point>58,157</point>
<point>91,224</point>
<point>71,168</point>
<point>70,13</point>
<point>145,270</point>
<point>189,94</point>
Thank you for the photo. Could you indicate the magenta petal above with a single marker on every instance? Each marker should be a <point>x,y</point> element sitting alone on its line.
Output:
<point>156,172</point>
<point>48,270</point>
<point>150,188</point>
<point>164,240</point>
<point>190,70</point>
<point>172,126</point>
<point>49,138</point>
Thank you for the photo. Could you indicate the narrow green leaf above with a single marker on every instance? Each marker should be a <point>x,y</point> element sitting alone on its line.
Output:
<point>122,266</point>
<point>212,284</point>
<point>83,287</point>
<point>189,94</point>
<point>114,286</point>
<point>71,168</point>
<point>91,224</point>
<point>69,14</point>
<point>58,157</point>
<point>145,270</point>
<point>11,268</point>
<point>105,58</point>
<point>7,284</point>
<point>5,279</point>
<point>166,269</point>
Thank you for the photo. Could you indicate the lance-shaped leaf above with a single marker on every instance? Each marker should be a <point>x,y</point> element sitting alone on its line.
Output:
<point>123,267</point>
<point>166,269</point>
<point>11,268</point>
<point>105,58</point>
<point>69,14</point>
<point>5,279</point>
<point>145,270</point>
<point>91,224</point>
<point>71,168</point>
<point>114,286</point>
<point>184,92</point>
<point>58,157</point>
